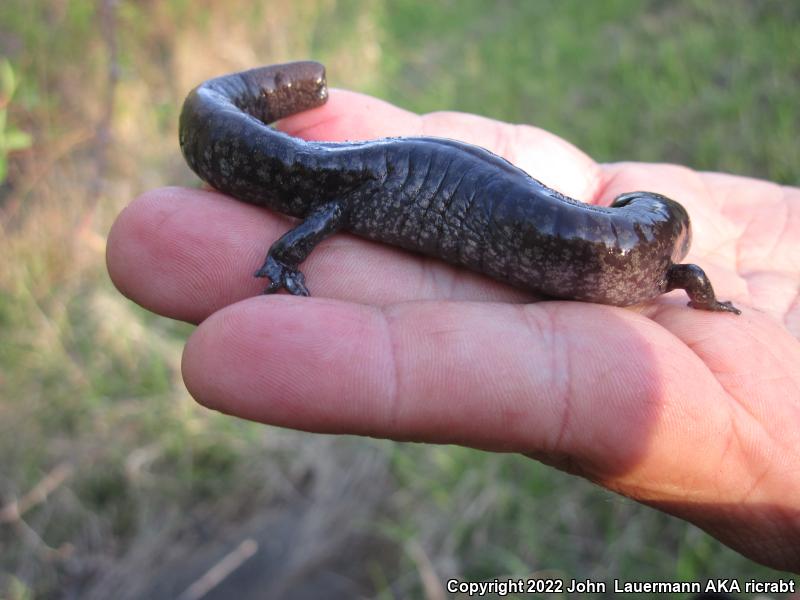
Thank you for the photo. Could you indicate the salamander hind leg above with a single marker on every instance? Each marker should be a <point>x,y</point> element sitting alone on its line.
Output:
<point>284,257</point>
<point>697,285</point>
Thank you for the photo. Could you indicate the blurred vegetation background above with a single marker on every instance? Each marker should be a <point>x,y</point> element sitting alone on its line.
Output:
<point>113,483</point>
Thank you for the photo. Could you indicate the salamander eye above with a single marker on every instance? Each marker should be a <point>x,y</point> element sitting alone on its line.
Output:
<point>625,199</point>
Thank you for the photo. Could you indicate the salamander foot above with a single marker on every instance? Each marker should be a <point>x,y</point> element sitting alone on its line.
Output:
<point>701,294</point>
<point>726,306</point>
<point>282,276</point>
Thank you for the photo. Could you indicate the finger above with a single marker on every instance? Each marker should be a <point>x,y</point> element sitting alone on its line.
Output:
<point>600,388</point>
<point>187,253</point>
<point>352,116</point>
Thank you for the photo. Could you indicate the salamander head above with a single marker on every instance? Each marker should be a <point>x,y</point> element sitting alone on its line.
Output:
<point>672,213</point>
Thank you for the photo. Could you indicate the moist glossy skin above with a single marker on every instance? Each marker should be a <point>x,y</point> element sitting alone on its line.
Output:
<point>435,196</point>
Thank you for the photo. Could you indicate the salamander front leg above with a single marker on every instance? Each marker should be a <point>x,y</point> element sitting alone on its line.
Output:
<point>293,247</point>
<point>701,294</point>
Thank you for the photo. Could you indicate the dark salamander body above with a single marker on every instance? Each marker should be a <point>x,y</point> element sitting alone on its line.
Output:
<point>439,197</point>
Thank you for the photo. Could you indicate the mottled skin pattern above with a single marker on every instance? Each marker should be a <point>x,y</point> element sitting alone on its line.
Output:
<point>440,197</point>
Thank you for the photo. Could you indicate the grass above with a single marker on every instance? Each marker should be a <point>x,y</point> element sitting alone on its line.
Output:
<point>90,381</point>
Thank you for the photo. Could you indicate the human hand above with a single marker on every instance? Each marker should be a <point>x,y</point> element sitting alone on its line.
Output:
<point>692,412</point>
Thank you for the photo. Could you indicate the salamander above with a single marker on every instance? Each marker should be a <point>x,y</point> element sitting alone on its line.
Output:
<point>439,197</point>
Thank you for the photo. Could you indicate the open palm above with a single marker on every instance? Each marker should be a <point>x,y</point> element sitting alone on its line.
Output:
<point>693,412</point>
